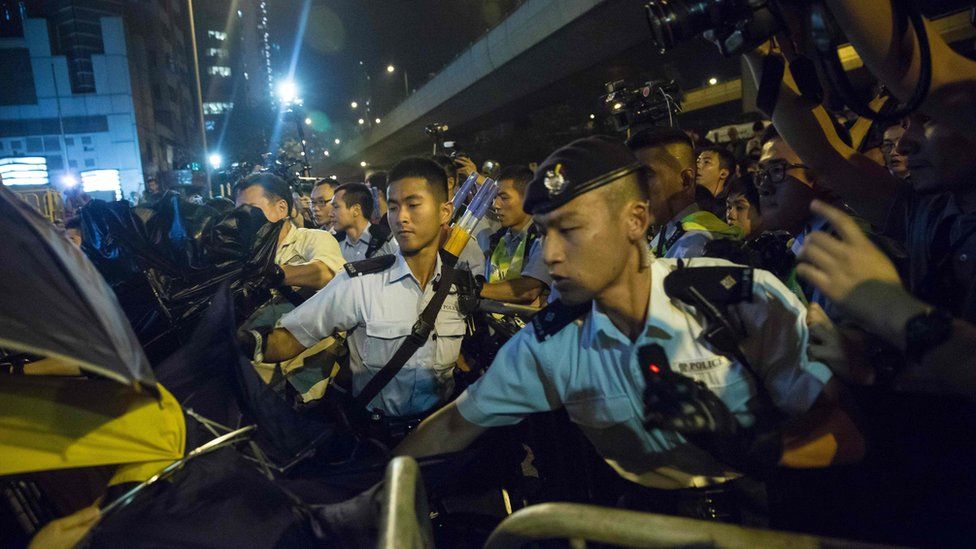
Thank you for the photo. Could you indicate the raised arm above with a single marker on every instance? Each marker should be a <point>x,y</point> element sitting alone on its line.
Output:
<point>806,126</point>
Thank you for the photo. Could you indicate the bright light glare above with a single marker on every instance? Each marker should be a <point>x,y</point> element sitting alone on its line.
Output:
<point>390,68</point>
<point>354,105</point>
<point>69,180</point>
<point>337,141</point>
<point>326,153</point>
<point>361,121</point>
<point>377,120</point>
<point>308,121</point>
<point>712,81</point>
<point>216,161</point>
<point>363,163</point>
<point>287,91</point>
<point>592,117</point>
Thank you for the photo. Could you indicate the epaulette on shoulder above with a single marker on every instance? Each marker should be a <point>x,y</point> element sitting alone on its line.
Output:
<point>370,266</point>
<point>556,316</point>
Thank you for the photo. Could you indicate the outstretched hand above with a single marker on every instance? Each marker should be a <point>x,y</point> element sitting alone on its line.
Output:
<point>850,270</point>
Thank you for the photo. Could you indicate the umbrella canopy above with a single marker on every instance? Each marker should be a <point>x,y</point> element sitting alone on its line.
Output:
<point>62,423</point>
<point>53,302</point>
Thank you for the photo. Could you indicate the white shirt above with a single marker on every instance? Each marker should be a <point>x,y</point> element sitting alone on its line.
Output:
<point>356,251</point>
<point>591,369</point>
<point>303,246</point>
<point>378,311</point>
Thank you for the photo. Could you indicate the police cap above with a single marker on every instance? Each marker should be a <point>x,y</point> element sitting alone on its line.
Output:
<point>580,167</point>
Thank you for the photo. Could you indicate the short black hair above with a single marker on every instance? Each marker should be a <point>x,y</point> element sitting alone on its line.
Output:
<point>746,186</point>
<point>658,137</point>
<point>330,181</point>
<point>379,180</point>
<point>357,194</point>
<point>520,176</point>
<point>275,188</point>
<point>758,126</point>
<point>423,168</point>
<point>726,160</point>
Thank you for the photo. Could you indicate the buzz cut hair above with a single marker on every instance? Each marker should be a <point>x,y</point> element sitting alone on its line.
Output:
<point>422,168</point>
<point>274,187</point>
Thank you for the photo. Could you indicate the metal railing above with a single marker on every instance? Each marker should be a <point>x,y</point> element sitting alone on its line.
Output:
<point>589,523</point>
<point>404,515</point>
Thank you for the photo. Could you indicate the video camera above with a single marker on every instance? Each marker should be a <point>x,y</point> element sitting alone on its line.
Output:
<point>738,26</point>
<point>651,103</point>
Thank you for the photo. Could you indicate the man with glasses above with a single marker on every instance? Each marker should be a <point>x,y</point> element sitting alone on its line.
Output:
<point>322,195</point>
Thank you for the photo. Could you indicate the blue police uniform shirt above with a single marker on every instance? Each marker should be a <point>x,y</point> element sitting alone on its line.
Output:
<point>356,251</point>
<point>591,369</point>
<point>378,311</point>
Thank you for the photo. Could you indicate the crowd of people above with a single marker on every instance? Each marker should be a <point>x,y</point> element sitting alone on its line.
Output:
<point>774,331</point>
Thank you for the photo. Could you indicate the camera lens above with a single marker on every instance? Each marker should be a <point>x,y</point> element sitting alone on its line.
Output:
<point>673,21</point>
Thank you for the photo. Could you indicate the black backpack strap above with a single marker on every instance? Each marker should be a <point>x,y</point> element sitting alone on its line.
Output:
<point>378,236</point>
<point>530,238</point>
<point>418,334</point>
<point>556,316</point>
<point>493,241</point>
<point>370,266</point>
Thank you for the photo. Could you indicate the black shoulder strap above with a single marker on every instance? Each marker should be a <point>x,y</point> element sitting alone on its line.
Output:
<point>340,236</point>
<point>493,241</point>
<point>556,316</point>
<point>370,266</point>
<point>378,236</point>
<point>530,238</point>
<point>418,334</point>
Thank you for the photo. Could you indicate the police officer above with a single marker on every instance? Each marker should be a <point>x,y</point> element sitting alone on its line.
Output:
<point>377,301</point>
<point>684,228</point>
<point>352,208</point>
<point>516,272</point>
<point>581,353</point>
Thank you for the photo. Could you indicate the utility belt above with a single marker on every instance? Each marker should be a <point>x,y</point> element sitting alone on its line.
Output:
<point>389,430</point>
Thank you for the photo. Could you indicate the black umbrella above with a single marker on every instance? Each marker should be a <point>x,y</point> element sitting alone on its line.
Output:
<point>53,302</point>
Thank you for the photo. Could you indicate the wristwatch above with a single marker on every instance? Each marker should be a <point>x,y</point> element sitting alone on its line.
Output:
<point>926,331</point>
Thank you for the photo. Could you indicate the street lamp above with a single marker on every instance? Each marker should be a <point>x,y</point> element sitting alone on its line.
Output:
<point>354,105</point>
<point>308,121</point>
<point>337,141</point>
<point>712,81</point>
<point>377,120</point>
<point>215,160</point>
<point>326,153</point>
<point>287,91</point>
<point>363,164</point>
<point>361,121</point>
<point>390,68</point>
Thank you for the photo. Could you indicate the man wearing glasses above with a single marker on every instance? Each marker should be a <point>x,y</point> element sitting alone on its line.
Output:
<point>322,195</point>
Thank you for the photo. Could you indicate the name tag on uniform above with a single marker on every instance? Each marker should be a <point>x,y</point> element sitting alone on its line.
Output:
<point>713,371</point>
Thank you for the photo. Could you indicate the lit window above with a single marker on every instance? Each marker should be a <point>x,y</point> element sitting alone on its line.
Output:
<point>217,52</point>
<point>217,35</point>
<point>219,70</point>
<point>217,108</point>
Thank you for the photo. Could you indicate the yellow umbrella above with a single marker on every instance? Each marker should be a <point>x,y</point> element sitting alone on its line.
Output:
<point>60,423</point>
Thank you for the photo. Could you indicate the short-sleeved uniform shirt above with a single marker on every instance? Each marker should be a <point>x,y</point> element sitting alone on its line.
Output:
<point>591,369</point>
<point>356,251</point>
<point>303,246</point>
<point>378,311</point>
<point>472,258</point>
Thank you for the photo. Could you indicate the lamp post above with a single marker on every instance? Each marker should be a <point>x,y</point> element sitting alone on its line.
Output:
<point>196,72</point>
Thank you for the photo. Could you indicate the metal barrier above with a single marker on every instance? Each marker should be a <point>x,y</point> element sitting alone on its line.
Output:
<point>404,515</point>
<point>583,523</point>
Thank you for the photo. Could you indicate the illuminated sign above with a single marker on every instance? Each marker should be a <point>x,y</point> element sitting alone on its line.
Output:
<point>24,170</point>
<point>102,180</point>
